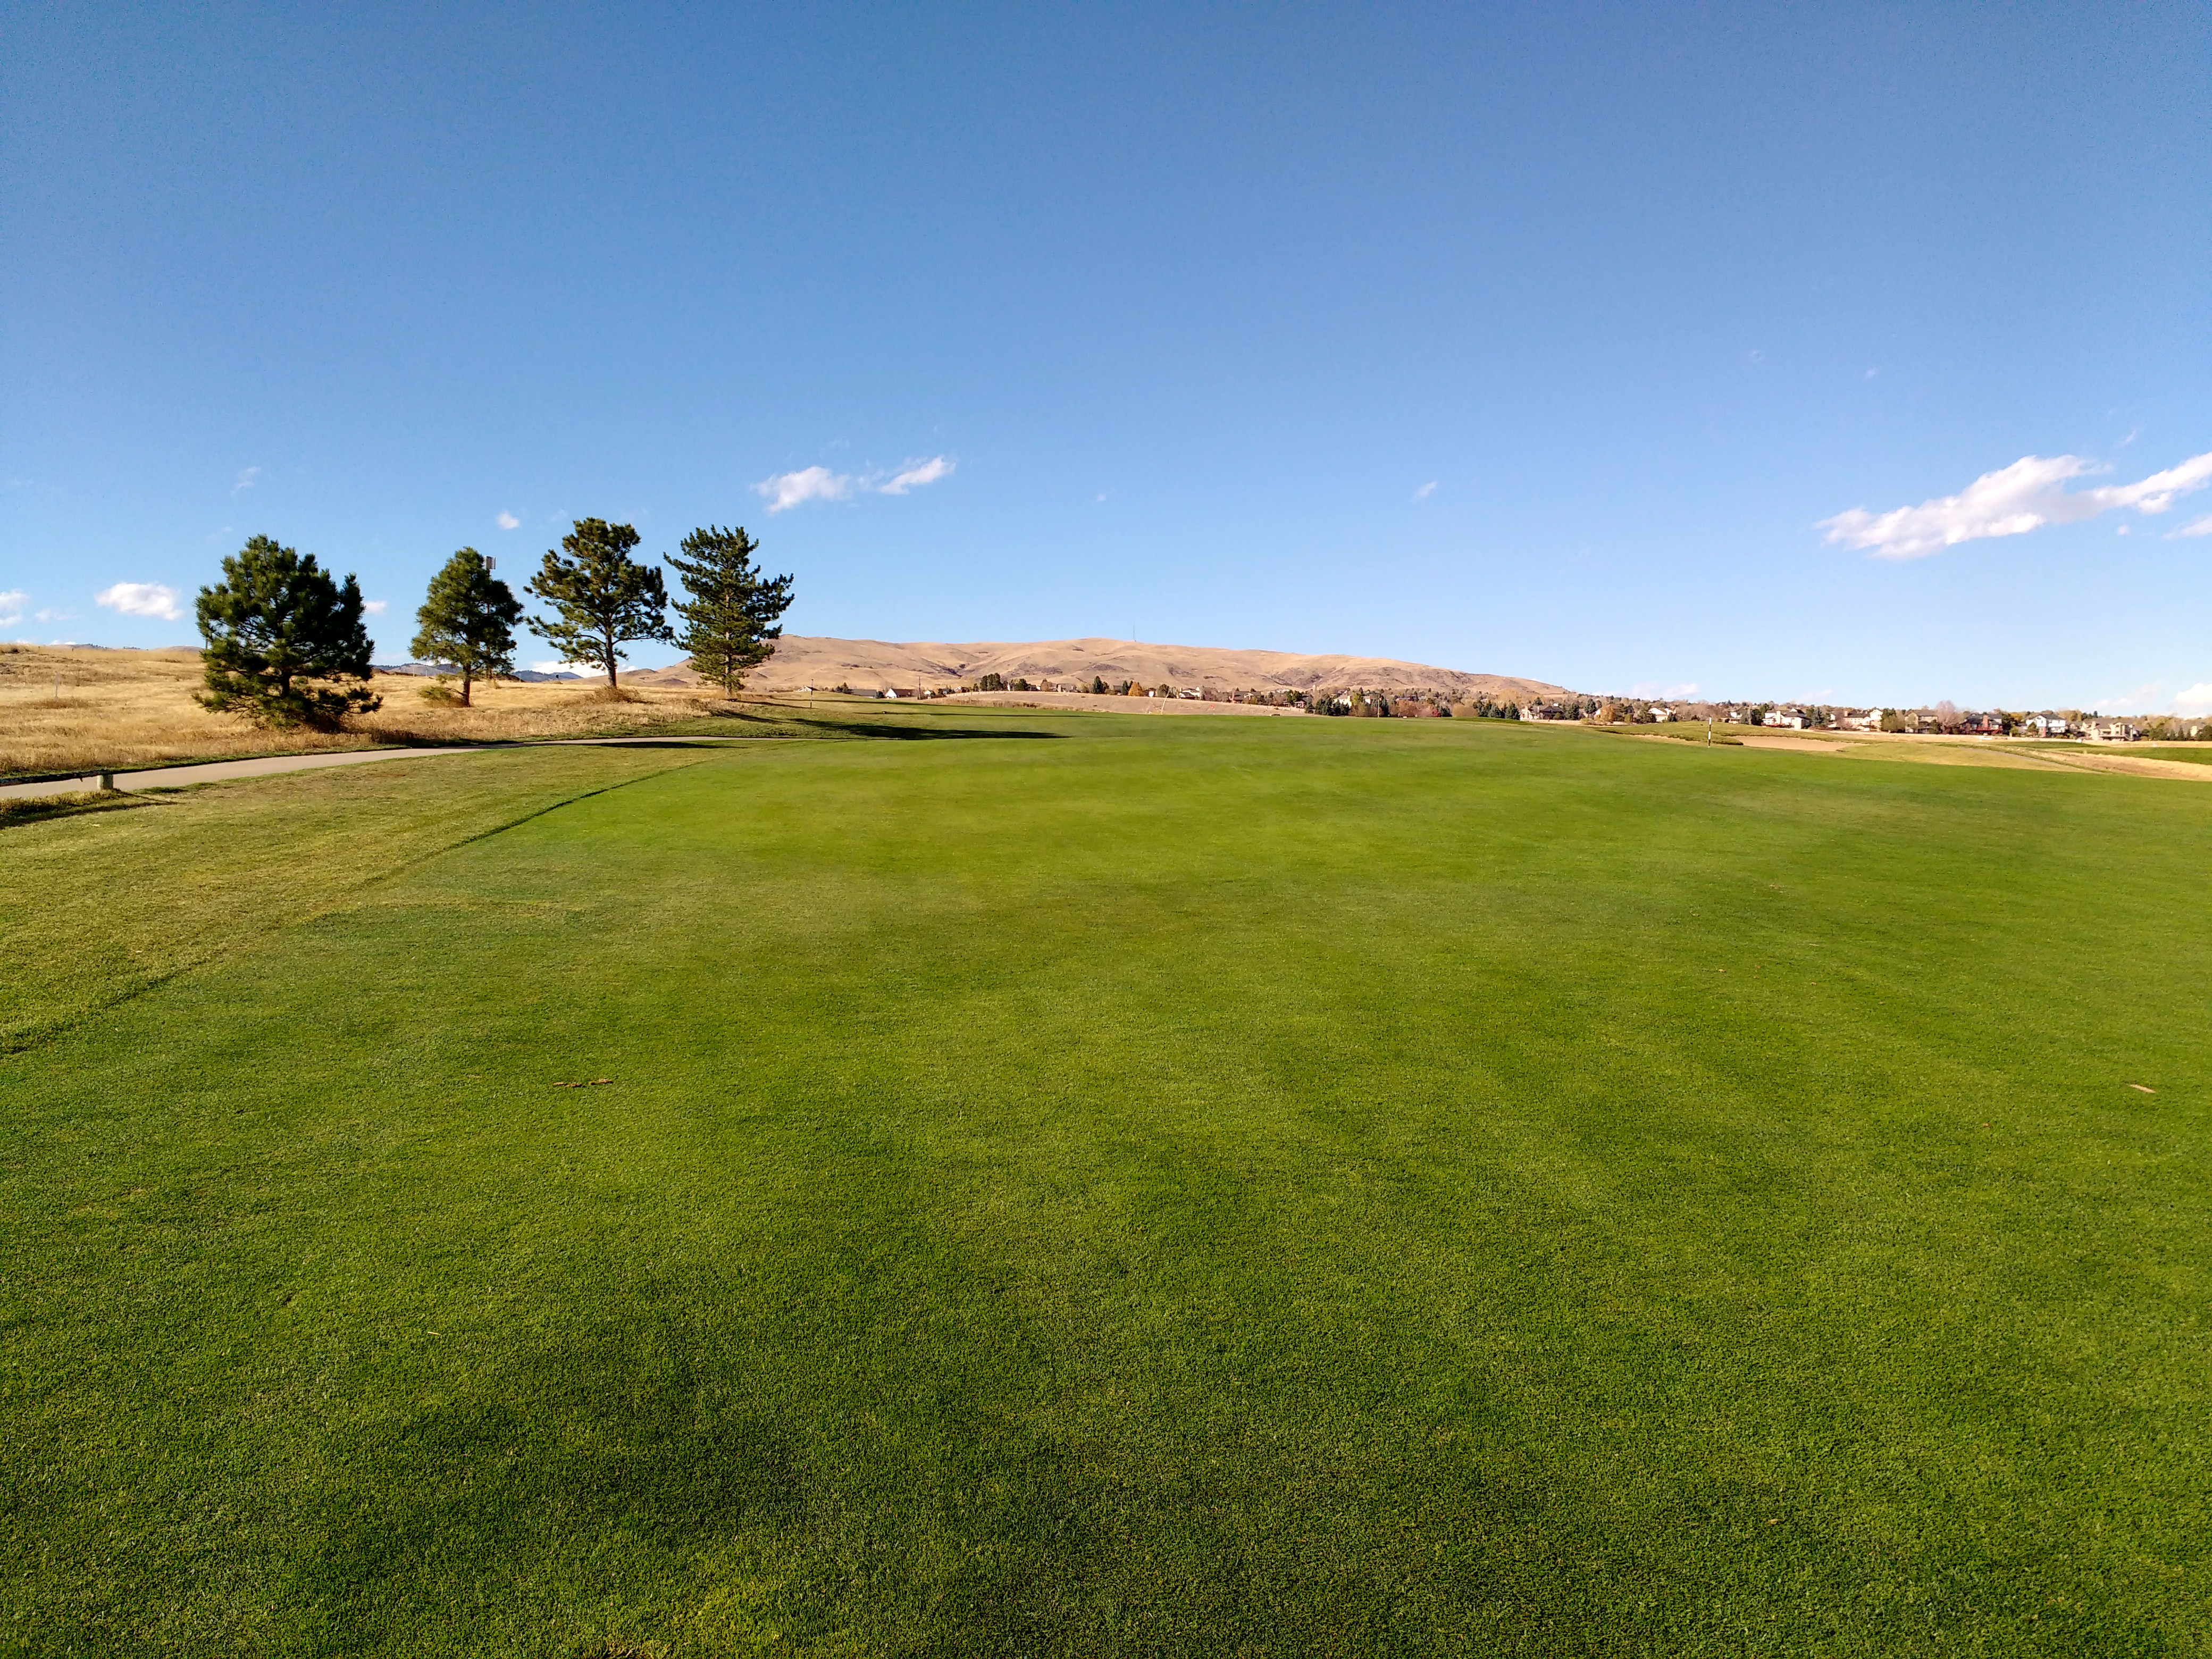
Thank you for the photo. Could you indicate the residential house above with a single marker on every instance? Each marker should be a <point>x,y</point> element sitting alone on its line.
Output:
<point>2112,731</point>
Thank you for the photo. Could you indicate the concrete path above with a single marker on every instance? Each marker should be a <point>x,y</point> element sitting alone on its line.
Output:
<point>176,777</point>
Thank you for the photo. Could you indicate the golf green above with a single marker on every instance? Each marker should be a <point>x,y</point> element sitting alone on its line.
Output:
<point>1071,1184</point>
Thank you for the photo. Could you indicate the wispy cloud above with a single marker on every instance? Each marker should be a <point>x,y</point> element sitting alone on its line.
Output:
<point>376,607</point>
<point>914,475</point>
<point>1425,490</point>
<point>1665,693</point>
<point>11,606</point>
<point>142,599</point>
<point>2010,501</point>
<point>247,478</point>
<point>2135,702</point>
<point>2196,527</point>
<point>818,483</point>
<point>509,521</point>
<point>2196,699</point>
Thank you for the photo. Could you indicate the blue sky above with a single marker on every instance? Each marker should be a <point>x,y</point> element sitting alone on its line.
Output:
<point>1549,340</point>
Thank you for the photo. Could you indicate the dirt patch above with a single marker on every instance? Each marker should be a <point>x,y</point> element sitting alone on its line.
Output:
<point>1795,745</point>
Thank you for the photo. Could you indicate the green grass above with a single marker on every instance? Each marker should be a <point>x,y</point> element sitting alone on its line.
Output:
<point>1100,1185</point>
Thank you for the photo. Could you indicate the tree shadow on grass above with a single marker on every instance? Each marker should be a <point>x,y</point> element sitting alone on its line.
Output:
<point>889,731</point>
<point>922,734</point>
<point>36,809</point>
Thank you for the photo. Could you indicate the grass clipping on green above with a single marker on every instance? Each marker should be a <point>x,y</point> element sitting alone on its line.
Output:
<point>1106,1185</point>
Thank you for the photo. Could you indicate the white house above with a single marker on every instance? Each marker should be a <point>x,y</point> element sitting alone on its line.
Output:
<point>1789,717</point>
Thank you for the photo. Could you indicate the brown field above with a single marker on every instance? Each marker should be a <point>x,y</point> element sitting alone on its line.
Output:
<point>1928,749</point>
<point>127,708</point>
<point>874,665</point>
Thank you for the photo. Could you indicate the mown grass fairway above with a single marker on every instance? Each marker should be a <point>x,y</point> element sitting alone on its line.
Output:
<point>1095,1185</point>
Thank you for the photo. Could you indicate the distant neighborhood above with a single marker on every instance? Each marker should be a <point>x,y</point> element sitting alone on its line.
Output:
<point>1941,719</point>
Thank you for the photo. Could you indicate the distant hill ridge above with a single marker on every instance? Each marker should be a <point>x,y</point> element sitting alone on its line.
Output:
<point>874,665</point>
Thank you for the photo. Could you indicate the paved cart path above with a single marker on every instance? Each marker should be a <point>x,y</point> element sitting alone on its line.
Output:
<point>173,777</point>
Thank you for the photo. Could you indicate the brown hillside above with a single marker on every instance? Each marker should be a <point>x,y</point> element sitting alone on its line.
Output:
<point>872,665</point>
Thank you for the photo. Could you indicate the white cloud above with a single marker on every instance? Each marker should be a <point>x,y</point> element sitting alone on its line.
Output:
<point>2196,527</point>
<point>11,606</point>
<point>2196,699</point>
<point>247,478</point>
<point>813,483</point>
<point>2010,501</point>
<point>1663,693</point>
<point>375,607</point>
<point>142,599</point>
<point>2136,701</point>
<point>818,483</point>
<point>509,521</point>
<point>1425,490</point>
<point>915,474</point>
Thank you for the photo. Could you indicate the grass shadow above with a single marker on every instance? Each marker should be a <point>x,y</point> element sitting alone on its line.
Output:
<point>37,809</point>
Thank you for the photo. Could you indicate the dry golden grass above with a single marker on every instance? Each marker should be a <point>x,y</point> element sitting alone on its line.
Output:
<point>68,709</point>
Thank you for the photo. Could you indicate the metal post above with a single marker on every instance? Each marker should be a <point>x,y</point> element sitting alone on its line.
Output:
<point>107,783</point>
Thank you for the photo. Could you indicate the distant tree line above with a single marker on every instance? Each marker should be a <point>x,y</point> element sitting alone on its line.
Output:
<point>284,642</point>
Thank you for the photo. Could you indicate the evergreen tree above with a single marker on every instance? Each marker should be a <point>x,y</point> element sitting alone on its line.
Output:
<point>276,625</point>
<point>468,620</point>
<point>730,620</point>
<point>603,597</point>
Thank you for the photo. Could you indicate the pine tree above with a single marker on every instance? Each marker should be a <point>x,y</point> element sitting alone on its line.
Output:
<point>275,625</point>
<point>730,620</point>
<point>603,597</point>
<point>468,620</point>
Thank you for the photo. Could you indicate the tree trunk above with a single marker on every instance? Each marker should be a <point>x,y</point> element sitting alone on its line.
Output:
<point>465,685</point>
<point>611,685</point>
